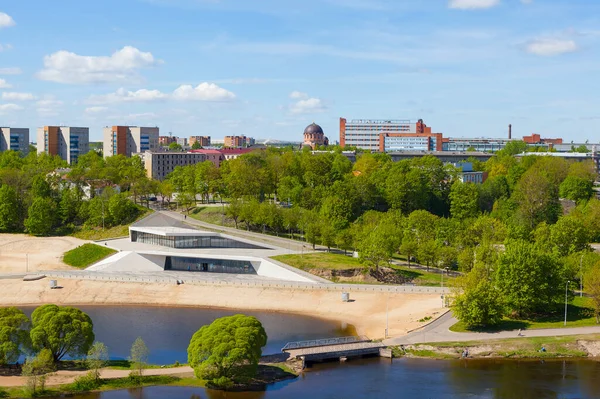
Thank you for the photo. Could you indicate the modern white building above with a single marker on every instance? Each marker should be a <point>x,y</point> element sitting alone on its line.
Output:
<point>14,139</point>
<point>128,140</point>
<point>65,141</point>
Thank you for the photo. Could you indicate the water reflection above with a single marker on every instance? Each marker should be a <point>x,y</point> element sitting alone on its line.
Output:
<point>167,331</point>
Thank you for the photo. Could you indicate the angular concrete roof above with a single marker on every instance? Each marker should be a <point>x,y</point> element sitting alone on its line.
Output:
<point>158,219</point>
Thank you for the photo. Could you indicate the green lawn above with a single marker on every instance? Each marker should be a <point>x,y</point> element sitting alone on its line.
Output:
<point>579,314</point>
<point>324,260</point>
<point>86,255</point>
<point>211,214</point>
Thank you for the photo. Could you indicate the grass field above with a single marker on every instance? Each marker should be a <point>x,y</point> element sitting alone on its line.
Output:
<point>332,261</point>
<point>112,232</point>
<point>579,314</point>
<point>86,255</point>
<point>211,214</point>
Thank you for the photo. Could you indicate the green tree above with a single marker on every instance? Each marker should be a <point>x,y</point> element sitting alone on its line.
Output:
<point>464,200</point>
<point>14,334</point>
<point>9,209</point>
<point>41,216</point>
<point>196,145</point>
<point>409,247</point>
<point>70,202</point>
<point>537,197</point>
<point>227,350</point>
<point>530,278</point>
<point>569,235</point>
<point>592,288</point>
<point>35,369</point>
<point>175,147</point>
<point>514,147</point>
<point>121,209</point>
<point>576,188</point>
<point>97,358</point>
<point>139,357</point>
<point>61,329</point>
<point>477,302</point>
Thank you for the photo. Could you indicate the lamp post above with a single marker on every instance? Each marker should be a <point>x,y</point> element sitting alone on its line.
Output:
<point>566,292</point>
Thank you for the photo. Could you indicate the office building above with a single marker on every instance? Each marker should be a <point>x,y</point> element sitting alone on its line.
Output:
<point>389,135</point>
<point>238,141</point>
<point>159,164</point>
<point>128,140</point>
<point>67,142</point>
<point>14,139</point>
<point>204,141</point>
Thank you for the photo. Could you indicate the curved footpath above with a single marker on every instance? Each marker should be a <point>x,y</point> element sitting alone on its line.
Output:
<point>439,331</point>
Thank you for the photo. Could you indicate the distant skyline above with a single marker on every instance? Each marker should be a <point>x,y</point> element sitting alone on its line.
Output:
<point>269,68</point>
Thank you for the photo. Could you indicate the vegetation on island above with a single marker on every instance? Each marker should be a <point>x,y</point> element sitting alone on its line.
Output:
<point>227,351</point>
<point>86,254</point>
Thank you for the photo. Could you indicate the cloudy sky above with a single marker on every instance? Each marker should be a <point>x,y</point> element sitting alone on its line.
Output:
<point>268,68</point>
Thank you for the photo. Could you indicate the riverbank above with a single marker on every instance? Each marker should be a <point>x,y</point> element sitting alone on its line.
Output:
<point>366,311</point>
<point>572,346</point>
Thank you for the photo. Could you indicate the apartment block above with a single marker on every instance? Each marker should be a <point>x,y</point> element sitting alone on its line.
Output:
<point>238,141</point>
<point>204,141</point>
<point>67,142</point>
<point>14,139</point>
<point>164,141</point>
<point>159,164</point>
<point>128,140</point>
<point>182,141</point>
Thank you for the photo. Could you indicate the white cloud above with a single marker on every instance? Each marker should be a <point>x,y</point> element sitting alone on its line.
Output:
<point>298,95</point>
<point>308,106</point>
<point>122,65</point>
<point>48,106</point>
<point>6,20</point>
<point>4,84</point>
<point>122,95</point>
<point>10,107</point>
<point>203,92</point>
<point>15,96</point>
<point>472,4</point>
<point>95,110</point>
<point>550,47</point>
<point>10,71</point>
<point>5,47</point>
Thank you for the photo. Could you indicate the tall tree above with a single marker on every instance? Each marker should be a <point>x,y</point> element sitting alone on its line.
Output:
<point>139,356</point>
<point>9,209</point>
<point>14,334</point>
<point>464,200</point>
<point>41,216</point>
<point>97,358</point>
<point>592,288</point>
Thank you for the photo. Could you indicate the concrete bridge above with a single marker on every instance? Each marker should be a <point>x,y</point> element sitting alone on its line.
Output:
<point>340,348</point>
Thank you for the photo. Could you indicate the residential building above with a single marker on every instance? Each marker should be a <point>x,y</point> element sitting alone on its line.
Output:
<point>182,141</point>
<point>65,141</point>
<point>214,156</point>
<point>164,141</point>
<point>468,175</point>
<point>238,141</point>
<point>128,140</point>
<point>233,153</point>
<point>204,141</point>
<point>14,139</point>
<point>159,164</point>
<point>314,136</point>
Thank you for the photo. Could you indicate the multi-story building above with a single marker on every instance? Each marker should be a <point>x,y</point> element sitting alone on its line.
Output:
<point>14,139</point>
<point>233,153</point>
<point>128,140</point>
<point>238,141</point>
<point>67,142</point>
<point>182,141</point>
<point>204,141</point>
<point>164,141</point>
<point>214,156</point>
<point>474,144</point>
<point>159,164</point>
<point>389,135</point>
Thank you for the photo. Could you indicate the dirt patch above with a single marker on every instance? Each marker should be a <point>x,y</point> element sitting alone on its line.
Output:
<point>20,253</point>
<point>383,275</point>
<point>591,347</point>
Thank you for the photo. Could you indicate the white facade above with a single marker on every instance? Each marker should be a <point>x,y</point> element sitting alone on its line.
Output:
<point>365,133</point>
<point>14,139</point>
<point>159,164</point>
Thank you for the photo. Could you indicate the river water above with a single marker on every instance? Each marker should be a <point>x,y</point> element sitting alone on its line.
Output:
<point>167,332</point>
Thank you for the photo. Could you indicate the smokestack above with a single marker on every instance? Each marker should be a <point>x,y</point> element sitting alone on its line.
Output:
<point>509,132</point>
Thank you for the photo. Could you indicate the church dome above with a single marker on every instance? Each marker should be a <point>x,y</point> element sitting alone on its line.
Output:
<point>313,128</point>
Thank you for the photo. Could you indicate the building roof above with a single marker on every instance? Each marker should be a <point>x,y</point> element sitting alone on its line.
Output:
<point>236,151</point>
<point>203,151</point>
<point>173,231</point>
<point>313,128</point>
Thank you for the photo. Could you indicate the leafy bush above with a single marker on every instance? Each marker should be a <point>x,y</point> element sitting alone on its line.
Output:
<point>85,383</point>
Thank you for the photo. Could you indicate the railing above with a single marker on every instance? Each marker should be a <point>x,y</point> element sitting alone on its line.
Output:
<point>324,342</point>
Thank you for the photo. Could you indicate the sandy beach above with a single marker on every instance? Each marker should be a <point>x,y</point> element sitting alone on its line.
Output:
<point>44,253</point>
<point>367,311</point>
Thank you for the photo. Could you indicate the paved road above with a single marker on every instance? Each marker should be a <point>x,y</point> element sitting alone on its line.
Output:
<point>438,331</point>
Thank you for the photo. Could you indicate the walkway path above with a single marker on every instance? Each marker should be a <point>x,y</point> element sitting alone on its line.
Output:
<point>438,331</point>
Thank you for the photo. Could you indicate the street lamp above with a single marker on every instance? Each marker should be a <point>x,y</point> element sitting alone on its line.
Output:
<point>566,288</point>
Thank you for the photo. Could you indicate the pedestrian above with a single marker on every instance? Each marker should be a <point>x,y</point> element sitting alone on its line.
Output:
<point>519,334</point>
<point>185,216</point>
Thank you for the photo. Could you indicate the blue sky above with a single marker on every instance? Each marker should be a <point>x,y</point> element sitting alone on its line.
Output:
<point>268,68</point>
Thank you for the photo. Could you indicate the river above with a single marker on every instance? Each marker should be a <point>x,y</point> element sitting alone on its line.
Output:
<point>167,331</point>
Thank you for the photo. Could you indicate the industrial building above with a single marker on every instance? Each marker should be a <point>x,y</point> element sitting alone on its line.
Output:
<point>67,142</point>
<point>14,139</point>
<point>128,140</point>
